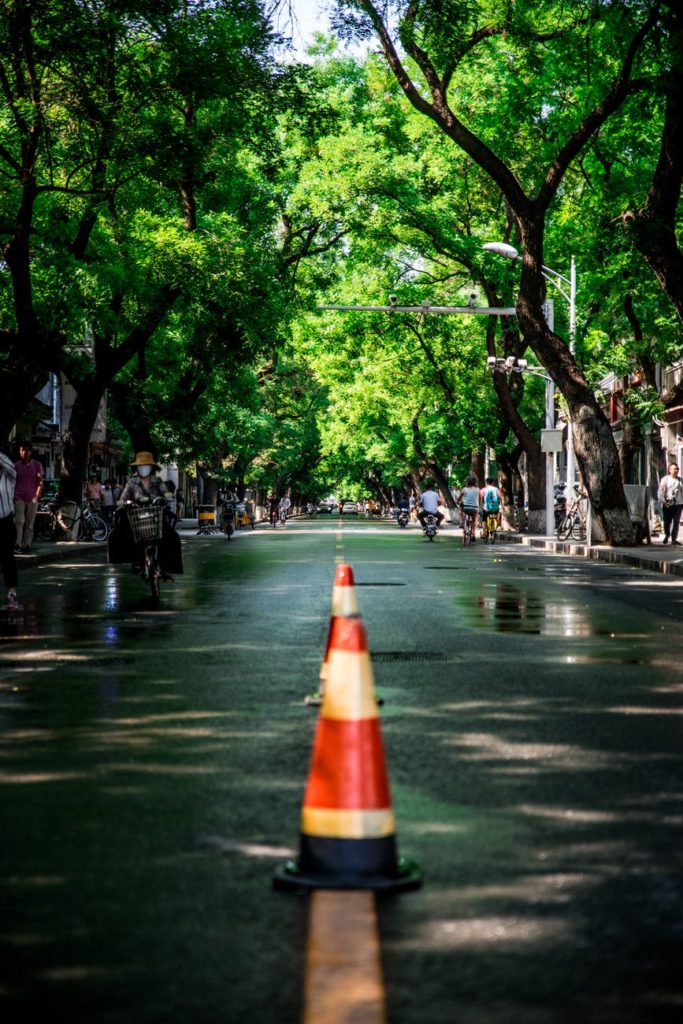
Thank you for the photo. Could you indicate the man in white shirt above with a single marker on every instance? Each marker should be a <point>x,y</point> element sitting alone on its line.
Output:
<point>429,500</point>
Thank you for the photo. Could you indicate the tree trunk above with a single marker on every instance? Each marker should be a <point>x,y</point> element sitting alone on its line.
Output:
<point>77,442</point>
<point>441,480</point>
<point>594,444</point>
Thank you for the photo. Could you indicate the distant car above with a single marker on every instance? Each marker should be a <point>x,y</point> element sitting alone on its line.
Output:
<point>325,507</point>
<point>349,508</point>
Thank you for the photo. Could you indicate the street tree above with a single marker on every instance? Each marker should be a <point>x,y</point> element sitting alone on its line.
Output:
<point>528,62</point>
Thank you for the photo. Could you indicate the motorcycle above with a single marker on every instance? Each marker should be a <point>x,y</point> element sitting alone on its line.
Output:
<point>403,517</point>
<point>429,528</point>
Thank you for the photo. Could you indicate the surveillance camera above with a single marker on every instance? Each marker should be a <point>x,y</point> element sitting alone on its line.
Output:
<point>509,362</point>
<point>522,364</point>
<point>473,300</point>
<point>393,300</point>
<point>491,362</point>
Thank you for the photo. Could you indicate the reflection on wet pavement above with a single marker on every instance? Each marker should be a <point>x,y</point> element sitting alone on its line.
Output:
<point>506,608</point>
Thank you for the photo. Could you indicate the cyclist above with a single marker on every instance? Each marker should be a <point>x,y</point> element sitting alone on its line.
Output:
<point>284,507</point>
<point>143,485</point>
<point>491,499</point>
<point>273,505</point>
<point>468,501</point>
<point>429,500</point>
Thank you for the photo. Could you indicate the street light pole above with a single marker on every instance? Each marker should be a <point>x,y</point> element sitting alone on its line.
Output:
<point>557,280</point>
<point>572,340</point>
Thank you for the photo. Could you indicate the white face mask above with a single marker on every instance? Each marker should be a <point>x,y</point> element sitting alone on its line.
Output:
<point>144,470</point>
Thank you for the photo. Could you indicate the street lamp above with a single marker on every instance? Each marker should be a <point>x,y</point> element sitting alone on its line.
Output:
<point>558,281</point>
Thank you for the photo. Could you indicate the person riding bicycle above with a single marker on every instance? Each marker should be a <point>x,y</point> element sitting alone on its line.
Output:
<point>273,505</point>
<point>468,501</point>
<point>429,500</point>
<point>491,499</point>
<point>284,506</point>
<point>142,487</point>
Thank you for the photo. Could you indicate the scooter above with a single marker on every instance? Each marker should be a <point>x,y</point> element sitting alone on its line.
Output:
<point>429,528</point>
<point>403,517</point>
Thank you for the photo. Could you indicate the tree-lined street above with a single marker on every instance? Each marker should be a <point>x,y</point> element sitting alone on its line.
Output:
<point>153,766</point>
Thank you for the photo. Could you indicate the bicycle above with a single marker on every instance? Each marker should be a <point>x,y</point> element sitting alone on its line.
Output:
<point>146,525</point>
<point>489,528</point>
<point>64,518</point>
<point>468,527</point>
<point>574,522</point>
<point>228,518</point>
<point>518,516</point>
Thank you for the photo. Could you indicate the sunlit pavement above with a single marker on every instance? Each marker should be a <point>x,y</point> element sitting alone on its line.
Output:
<point>152,767</point>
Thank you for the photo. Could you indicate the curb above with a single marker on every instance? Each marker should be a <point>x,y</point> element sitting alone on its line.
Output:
<point>633,557</point>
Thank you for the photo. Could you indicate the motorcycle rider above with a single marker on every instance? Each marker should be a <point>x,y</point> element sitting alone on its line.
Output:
<point>402,507</point>
<point>429,500</point>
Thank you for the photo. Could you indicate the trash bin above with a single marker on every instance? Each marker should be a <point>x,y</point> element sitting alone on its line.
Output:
<point>206,517</point>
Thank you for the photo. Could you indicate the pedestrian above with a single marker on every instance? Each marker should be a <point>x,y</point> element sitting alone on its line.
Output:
<point>670,494</point>
<point>8,476</point>
<point>93,492</point>
<point>27,491</point>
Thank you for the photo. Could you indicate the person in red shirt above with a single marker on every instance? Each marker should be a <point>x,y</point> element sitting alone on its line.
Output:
<point>27,491</point>
<point>93,492</point>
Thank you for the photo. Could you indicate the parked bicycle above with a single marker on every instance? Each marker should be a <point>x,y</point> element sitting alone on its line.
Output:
<point>55,520</point>
<point>574,522</point>
<point>518,516</point>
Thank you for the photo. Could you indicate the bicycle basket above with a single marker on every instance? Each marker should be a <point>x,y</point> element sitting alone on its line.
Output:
<point>146,523</point>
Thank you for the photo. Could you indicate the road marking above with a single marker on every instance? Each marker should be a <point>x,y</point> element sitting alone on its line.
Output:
<point>343,973</point>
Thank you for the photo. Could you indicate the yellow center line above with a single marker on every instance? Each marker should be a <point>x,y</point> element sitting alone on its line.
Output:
<point>343,971</point>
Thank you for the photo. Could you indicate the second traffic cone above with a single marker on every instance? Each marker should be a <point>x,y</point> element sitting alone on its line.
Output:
<point>344,603</point>
<point>347,823</point>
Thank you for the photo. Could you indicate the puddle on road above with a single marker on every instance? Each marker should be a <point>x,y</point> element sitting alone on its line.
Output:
<point>507,608</point>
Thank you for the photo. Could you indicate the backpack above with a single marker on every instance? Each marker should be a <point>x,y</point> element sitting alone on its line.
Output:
<point>491,500</point>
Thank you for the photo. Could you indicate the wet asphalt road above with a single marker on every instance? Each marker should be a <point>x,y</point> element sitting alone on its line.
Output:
<point>152,765</point>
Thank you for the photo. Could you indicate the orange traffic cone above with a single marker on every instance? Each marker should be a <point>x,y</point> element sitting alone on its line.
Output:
<point>344,603</point>
<point>347,822</point>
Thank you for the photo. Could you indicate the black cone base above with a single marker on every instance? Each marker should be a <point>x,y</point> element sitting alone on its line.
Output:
<point>348,864</point>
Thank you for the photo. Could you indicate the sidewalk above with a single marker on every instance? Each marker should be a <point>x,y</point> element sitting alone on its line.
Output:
<point>655,557</point>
